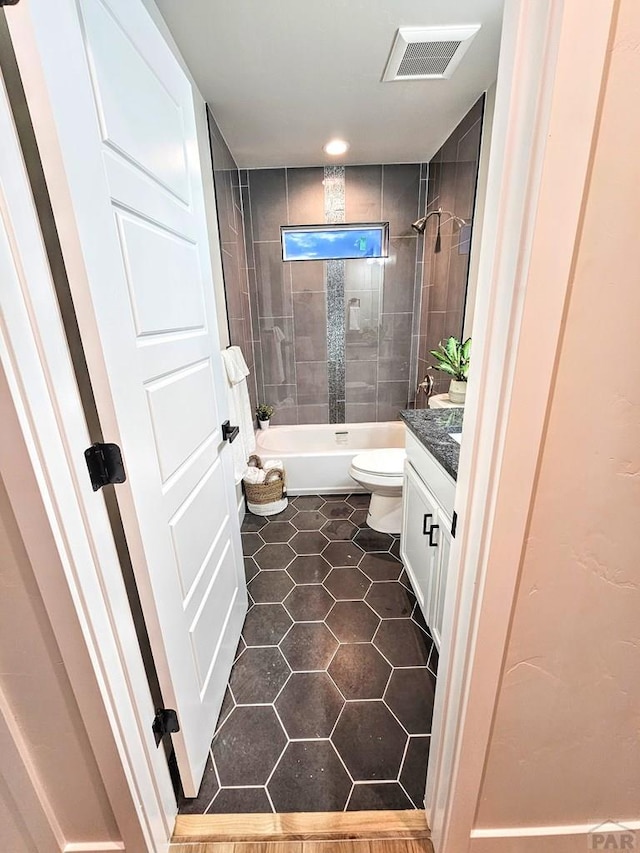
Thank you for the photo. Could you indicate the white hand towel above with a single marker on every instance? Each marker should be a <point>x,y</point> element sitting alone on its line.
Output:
<point>273,463</point>
<point>239,409</point>
<point>254,475</point>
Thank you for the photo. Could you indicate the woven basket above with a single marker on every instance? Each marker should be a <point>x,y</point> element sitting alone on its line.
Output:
<point>273,488</point>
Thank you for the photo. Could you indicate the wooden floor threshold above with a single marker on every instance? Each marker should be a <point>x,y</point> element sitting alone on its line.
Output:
<point>300,826</point>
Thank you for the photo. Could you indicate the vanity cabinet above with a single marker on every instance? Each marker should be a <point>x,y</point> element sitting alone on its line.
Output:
<point>428,498</point>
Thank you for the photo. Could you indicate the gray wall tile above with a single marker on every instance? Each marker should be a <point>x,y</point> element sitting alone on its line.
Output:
<point>267,189</point>
<point>312,383</point>
<point>310,317</point>
<point>273,281</point>
<point>400,197</point>
<point>363,193</point>
<point>306,196</point>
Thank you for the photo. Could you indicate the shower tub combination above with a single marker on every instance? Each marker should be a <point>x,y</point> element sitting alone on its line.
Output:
<point>317,458</point>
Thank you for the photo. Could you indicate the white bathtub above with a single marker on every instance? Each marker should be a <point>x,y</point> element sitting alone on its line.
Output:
<point>317,457</point>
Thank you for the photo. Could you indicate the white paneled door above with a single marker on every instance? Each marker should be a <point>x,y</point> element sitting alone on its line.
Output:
<point>127,119</point>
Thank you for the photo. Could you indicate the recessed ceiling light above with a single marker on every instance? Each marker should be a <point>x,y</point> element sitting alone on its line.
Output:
<point>336,147</point>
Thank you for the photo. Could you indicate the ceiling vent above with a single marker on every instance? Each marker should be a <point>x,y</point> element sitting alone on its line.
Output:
<point>428,53</point>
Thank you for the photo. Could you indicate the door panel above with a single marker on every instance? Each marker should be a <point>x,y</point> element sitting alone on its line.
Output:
<point>127,129</point>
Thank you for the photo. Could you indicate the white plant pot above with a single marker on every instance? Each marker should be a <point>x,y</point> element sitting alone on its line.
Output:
<point>457,391</point>
<point>264,424</point>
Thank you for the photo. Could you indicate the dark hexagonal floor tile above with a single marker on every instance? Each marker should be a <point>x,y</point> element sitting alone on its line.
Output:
<point>360,672</point>
<point>413,775</point>
<point>395,548</point>
<point>228,704</point>
<point>418,618</point>
<point>370,741</point>
<point>309,705</point>
<point>253,523</point>
<point>258,676</point>
<point>352,621</point>
<point>402,642</point>
<point>410,694</point>
<point>391,600</point>
<point>434,657</point>
<point>209,787</point>
<point>265,625</point>
<point>305,502</point>
<point>343,553</point>
<point>309,569</point>
<point>248,745</point>
<point>251,542</point>
<point>367,797</point>
<point>339,529</point>
<point>336,509</point>
<point>287,514</point>
<point>359,517</point>
<point>381,567</point>
<point>240,648</point>
<point>250,568</point>
<point>278,531</point>
<point>347,584</point>
<point>359,500</point>
<point>241,801</point>
<point>309,778</point>
<point>308,603</point>
<point>274,556</point>
<point>309,520</point>
<point>309,646</point>
<point>405,580</point>
<point>373,540</point>
<point>269,587</point>
<point>308,542</point>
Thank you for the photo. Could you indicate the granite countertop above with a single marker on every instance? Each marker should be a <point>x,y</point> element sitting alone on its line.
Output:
<point>432,427</point>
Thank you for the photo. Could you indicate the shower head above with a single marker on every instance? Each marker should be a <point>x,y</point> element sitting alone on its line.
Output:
<point>419,225</point>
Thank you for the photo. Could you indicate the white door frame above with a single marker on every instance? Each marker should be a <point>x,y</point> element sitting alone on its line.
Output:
<point>548,92</point>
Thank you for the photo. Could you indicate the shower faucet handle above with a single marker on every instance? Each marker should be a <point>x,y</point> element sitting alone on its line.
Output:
<point>426,385</point>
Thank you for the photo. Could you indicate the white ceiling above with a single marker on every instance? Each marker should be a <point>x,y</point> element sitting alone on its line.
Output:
<point>284,76</point>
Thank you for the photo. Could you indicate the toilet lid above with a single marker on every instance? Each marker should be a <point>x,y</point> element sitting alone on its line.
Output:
<point>387,461</point>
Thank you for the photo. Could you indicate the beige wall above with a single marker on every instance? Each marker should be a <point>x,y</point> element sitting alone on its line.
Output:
<point>39,697</point>
<point>565,746</point>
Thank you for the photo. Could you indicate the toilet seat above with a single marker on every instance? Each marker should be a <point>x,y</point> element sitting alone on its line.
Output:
<point>386,462</point>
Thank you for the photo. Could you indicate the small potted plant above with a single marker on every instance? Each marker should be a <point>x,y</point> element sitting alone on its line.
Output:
<point>264,413</point>
<point>453,358</point>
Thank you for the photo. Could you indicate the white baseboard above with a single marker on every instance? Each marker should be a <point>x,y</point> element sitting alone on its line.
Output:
<point>94,847</point>
<point>570,838</point>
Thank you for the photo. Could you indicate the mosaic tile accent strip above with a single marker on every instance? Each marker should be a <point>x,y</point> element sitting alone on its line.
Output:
<point>330,698</point>
<point>334,212</point>
<point>334,204</point>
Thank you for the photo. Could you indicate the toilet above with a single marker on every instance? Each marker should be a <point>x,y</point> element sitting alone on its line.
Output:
<point>381,473</point>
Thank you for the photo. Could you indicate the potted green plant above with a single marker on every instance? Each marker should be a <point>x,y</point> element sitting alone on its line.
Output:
<point>453,358</point>
<point>264,413</point>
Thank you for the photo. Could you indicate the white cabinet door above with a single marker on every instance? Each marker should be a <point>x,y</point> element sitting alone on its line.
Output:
<point>420,511</point>
<point>125,117</point>
<point>442,545</point>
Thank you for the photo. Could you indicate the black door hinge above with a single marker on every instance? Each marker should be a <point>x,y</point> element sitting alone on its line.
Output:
<point>165,722</point>
<point>454,524</point>
<point>105,465</point>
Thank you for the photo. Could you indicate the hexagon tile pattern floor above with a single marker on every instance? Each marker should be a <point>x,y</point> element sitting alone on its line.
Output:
<point>330,697</point>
